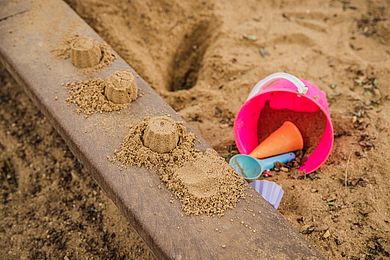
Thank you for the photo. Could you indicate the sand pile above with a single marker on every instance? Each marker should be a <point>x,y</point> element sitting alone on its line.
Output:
<point>205,184</point>
<point>121,87</point>
<point>202,181</point>
<point>76,46</point>
<point>89,97</point>
<point>133,152</point>
<point>98,95</point>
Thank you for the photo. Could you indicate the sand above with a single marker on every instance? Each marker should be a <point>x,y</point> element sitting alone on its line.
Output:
<point>341,46</point>
<point>121,87</point>
<point>88,96</point>
<point>161,135</point>
<point>205,184</point>
<point>85,62</point>
<point>202,181</point>
<point>50,206</point>
<point>199,50</point>
<point>133,152</point>
<point>85,53</point>
<point>103,95</point>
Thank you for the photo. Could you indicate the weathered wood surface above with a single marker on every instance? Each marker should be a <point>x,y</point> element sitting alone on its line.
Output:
<point>29,30</point>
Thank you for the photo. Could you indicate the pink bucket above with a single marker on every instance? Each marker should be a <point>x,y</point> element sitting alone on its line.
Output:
<point>283,91</point>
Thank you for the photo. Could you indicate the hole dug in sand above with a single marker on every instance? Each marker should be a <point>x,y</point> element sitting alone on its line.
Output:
<point>189,57</point>
<point>202,181</point>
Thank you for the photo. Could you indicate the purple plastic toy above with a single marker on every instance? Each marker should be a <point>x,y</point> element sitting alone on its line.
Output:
<point>270,191</point>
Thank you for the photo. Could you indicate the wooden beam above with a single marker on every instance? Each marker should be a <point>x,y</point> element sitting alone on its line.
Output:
<point>29,31</point>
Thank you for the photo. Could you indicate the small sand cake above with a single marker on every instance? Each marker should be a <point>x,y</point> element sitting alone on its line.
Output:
<point>121,87</point>
<point>85,52</point>
<point>161,135</point>
<point>201,177</point>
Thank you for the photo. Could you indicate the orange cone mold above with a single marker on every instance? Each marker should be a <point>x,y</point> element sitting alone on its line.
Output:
<point>286,138</point>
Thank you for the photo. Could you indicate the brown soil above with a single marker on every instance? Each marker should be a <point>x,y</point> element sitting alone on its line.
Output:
<point>50,207</point>
<point>196,56</point>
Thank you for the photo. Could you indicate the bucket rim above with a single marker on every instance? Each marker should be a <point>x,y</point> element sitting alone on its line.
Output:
<point>328,119</point>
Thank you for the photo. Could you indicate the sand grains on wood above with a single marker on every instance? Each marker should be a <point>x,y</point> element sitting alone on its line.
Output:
<point>133,152</point>
<point>205,184</point>
<point>64,50</point>
<point>202,181</point>
<point>89,97</point>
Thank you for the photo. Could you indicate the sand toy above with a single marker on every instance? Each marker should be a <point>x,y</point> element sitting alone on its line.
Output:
<point>251,168</point>
<point>270,191</point>
<point>285,92</point>
<point>286,139</point>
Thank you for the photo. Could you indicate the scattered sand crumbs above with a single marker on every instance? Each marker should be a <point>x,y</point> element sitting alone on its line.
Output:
<point>133,152</point>
<point>205,185</point>
<point>202,181</point>
<point>64,49</point>
<point>89,97</point>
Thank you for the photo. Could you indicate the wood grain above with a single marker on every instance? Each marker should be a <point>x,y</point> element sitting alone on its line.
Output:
<point>29,31</point>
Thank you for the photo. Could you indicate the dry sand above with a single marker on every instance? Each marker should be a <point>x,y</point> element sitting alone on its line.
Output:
<point>103,95</point>
<point>203,57</point>
<point>202,181</point>
<point>88,96</point>
<point>212,53</point>
<point>50,207</point>
<point>64,51</point>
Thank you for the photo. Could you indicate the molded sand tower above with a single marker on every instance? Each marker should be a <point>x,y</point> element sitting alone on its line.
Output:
<point>85,52</point>
<point>121,87</point>
<point>161,135</point>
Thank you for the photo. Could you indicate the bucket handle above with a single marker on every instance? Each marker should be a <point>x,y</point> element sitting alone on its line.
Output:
<point>301,87</point>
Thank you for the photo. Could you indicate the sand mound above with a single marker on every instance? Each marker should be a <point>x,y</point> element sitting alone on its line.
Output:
<point>205,185</point>
<point>133,152</point>
<point>89,97</point>
<point>121,87</point>
<point>203,182</point>
<point>86,61</point>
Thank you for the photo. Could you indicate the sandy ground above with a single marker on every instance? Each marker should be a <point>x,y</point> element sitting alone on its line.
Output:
<point>203,58</point>
<point>50,207</point>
